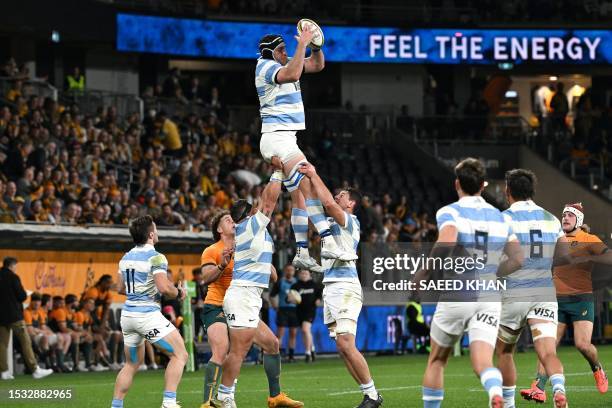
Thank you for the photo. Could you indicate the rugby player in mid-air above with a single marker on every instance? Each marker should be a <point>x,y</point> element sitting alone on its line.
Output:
<point>480,230</point>
<point>277,79</point>
<point>342,295</point>
<point>543,243</point>
<point>242,301</point>
<point>575,297</point>
<point>143,279</point>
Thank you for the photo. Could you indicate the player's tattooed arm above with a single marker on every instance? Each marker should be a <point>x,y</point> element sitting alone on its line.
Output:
<point>322,192</point>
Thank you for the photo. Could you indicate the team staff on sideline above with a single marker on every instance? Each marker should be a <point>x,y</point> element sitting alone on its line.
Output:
<point>286,316</point>
<point>12,295</point>
<point>310,298</point>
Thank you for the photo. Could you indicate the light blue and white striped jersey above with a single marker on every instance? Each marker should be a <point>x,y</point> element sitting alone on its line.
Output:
<point>481,231</point>
<point>281,106</point>
<point>538,231</point>
<point>253,254</point>
<point>347,238</point>
<point>137,268</point>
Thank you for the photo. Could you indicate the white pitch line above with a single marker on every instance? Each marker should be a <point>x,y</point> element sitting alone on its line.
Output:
<point>409,387</point>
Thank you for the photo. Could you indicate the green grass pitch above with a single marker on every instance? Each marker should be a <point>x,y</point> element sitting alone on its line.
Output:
<point>325,384</point>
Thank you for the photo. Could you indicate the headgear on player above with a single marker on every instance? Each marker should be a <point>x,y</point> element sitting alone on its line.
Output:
<point>268,44</point>
<point>240,210</point>
<point>578,211</point>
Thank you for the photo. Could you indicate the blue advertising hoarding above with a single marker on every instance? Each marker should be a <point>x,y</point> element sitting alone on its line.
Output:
<point>226,39</point>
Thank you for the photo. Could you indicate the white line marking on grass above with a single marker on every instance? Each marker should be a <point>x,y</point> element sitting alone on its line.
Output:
<point>409,387</point>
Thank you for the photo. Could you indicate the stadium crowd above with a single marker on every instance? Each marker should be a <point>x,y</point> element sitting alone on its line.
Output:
<point>60,166</point>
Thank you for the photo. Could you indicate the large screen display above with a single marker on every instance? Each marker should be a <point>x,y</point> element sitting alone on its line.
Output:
<point>228,39</point>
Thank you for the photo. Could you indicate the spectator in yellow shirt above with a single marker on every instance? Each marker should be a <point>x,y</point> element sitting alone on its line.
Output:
<point>16,91</point>
<point>169,134</point>
<point>209,183</point>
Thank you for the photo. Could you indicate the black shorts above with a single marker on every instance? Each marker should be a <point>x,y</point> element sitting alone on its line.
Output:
<point>287,317</point>
<point>306,315</point>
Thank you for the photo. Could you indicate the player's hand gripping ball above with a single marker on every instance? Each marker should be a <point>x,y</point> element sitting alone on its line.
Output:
<point>318,38</point>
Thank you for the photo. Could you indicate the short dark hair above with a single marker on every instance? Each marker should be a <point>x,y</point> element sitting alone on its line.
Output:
<point>214,223</point>
<point>356,196</point>
<point>35,296</point>
<point>471,174</point>
<point>521,183</point>
<point>140,228</point>
<point>104,278</point>
<point>9,261</point>
<point>57,298</point>
<point>70,298</point>
<point>44,299</point>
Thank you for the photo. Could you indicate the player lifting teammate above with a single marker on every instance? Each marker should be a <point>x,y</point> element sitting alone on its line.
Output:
<point>543,243</point>
<point>242,302</point>
<point>217,266</point>
<point>277,79</point>
<point>575,296</point>
<point>479,228</point>
<point>342,295</point>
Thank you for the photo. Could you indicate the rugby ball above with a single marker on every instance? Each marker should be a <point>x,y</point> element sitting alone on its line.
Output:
<point>318,38</point>
<point>295,297</point>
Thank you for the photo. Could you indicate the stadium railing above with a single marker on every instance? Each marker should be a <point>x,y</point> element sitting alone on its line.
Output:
<point>589,170</point>
<point>30,88</point>
<point>174,107</point>
<point>363,126</point>
<point>91,100</point>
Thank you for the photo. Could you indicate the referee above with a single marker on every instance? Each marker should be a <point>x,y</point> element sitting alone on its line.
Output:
<point>286,315</point>
<point>311,294</point>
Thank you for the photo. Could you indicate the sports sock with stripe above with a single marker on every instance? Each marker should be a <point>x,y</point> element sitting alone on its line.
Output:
<point>432,397</point>
<point>169,397</point>
<point>491,380</point>
<point>212,376</point>
<point>299,223</point>
<point>316,213</point>
<point>508,394</point>
<point>558,383</point>
<point>225,392</point>
<point>370,390</point>
<point>542,380</point>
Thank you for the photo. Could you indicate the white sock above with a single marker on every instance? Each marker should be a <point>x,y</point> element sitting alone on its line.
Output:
<point>226,392</point>
<point>370,390</point>
<point>169,397</point>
